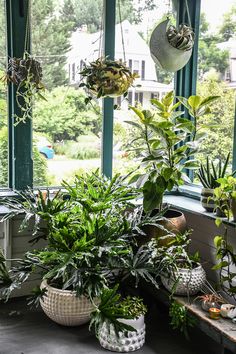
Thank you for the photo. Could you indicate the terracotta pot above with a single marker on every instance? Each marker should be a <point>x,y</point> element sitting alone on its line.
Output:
<point>64,307</point>
<point>207,204</point>
<point>176,223</point>
<point>130,342</point>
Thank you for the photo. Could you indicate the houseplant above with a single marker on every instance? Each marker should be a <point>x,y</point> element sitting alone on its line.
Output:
<point>171,47</point>
<point>208,175</point>
<point>119,323</point>
<point>26,74</point>
<point>181,274</point>
<point>106,78</point>
<point>225,197</point>
<point>89,247</point>
<point>165,144</point>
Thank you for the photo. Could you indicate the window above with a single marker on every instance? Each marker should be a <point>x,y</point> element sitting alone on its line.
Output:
<point>136,67</point>
<point>216,77</point>
<point>67,132</point>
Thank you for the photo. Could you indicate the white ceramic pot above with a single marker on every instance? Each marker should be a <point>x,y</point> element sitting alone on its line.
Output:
<point>206,201</point>
<point>185,281</point>
<point>64,307</point>
<point>124,343</point>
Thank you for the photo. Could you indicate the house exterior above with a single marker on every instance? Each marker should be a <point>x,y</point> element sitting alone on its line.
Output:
<point>133,49</point>
<point>230,75</point>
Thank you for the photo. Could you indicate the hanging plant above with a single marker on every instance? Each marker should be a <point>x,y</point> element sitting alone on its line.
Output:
<point>26,74</point>
<point>182,38</point>
<point>106,78</point>
<point>171,47</point>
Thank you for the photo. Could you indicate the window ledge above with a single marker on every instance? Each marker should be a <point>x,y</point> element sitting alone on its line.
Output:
<point>191,205</point>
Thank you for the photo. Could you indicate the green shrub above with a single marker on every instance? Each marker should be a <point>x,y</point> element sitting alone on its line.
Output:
<point>86,147</point>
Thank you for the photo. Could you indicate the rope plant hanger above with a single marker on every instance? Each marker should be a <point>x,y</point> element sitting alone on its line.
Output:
<point>171,47</point>
<point>105,77</point>
<point>26,74</point>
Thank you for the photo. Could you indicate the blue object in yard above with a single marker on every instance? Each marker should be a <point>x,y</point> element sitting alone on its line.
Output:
<point>47,151</point>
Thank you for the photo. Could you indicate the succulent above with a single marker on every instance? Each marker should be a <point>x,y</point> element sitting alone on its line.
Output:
<point>105,77</point>
<point>182,38</point>
<point>217,298</point>
<point>26,73</point>
<point>209,173</point>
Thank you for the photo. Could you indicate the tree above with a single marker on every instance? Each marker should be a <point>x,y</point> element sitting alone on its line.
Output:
<point>209,56</point>
<point>65,116</point>
<point>220,138</point>
<point>90,12</point>
<point>51,39</point>
<point>228,27</point>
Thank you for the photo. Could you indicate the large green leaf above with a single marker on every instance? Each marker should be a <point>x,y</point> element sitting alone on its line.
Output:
<point>194,102</point>
<point>209,100</point>
<point>153,194</point>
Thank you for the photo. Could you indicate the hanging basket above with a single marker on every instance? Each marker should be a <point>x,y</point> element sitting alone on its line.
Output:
<point>165,55</point>
<point>107,78</point>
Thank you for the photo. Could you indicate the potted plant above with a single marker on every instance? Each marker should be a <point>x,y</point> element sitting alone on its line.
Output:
<point>225,197</point>
<point>106,78</point>
<point>26,74</point>
<point>90,245</point>
<point>171,47</point>
<point>208,175</point>
<point>165,145</point>
<point>180,273</point>
<point>119,323</point>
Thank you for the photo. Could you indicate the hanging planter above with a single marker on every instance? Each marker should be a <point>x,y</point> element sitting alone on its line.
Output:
<point>106,78</point>
<point>171,48</point>
<point>26,74</point>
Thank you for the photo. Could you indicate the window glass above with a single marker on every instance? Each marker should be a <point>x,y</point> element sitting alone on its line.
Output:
<point>3,100</point>
<point>138,19</point>
<point>67,132</point>
<point>217,76</point>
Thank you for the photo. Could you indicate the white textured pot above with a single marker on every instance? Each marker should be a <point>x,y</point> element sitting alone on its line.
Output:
<point>124,343</point>
<point>185,281</point>
<point>64,307</point>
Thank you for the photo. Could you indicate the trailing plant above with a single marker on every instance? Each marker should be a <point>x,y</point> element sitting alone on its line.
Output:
<point>26,74</point>
<point>225,195</point>
<point>112,309</point>
<point>210,172</point>
<point>180,318</point>
<point>106,78</point>
<point>165,145</point>
<point>181,38</point>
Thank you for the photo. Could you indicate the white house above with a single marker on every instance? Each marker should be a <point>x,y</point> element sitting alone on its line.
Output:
<point>230,76</point>
<point>86,47</point>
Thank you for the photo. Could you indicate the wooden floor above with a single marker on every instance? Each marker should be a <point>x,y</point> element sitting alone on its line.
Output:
<point>25,331</point>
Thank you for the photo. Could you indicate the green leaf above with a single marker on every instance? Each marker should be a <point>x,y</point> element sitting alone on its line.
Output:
<point>158,104</point>
<point>138,112</point>
<point>218,222</point>
<point>194,102</point>
<point>153,194</point>
<point>220,265</point>
<point>191,164</point>
<point>208,100</point>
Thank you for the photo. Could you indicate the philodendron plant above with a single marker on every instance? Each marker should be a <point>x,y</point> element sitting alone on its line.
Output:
<point>166,144</point>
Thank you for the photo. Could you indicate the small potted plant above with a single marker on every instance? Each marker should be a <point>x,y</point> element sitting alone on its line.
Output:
<point>171,47</point>
<point>119,323</point>
<point>208,175</point>
<point>225,197</point>
<point>180,273</point>
<point>106,78</point>
<point>26,73</point>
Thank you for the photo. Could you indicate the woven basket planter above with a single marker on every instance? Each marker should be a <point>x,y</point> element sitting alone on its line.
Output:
<point>185,281</point>
<point>124,343</point>
<point>64,307</point>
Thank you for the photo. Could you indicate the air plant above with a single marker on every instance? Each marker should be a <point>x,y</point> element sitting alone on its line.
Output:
<point>106,78</point>
<point>210,172</point>
<point>26,74</point>
<point>181,38</point>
